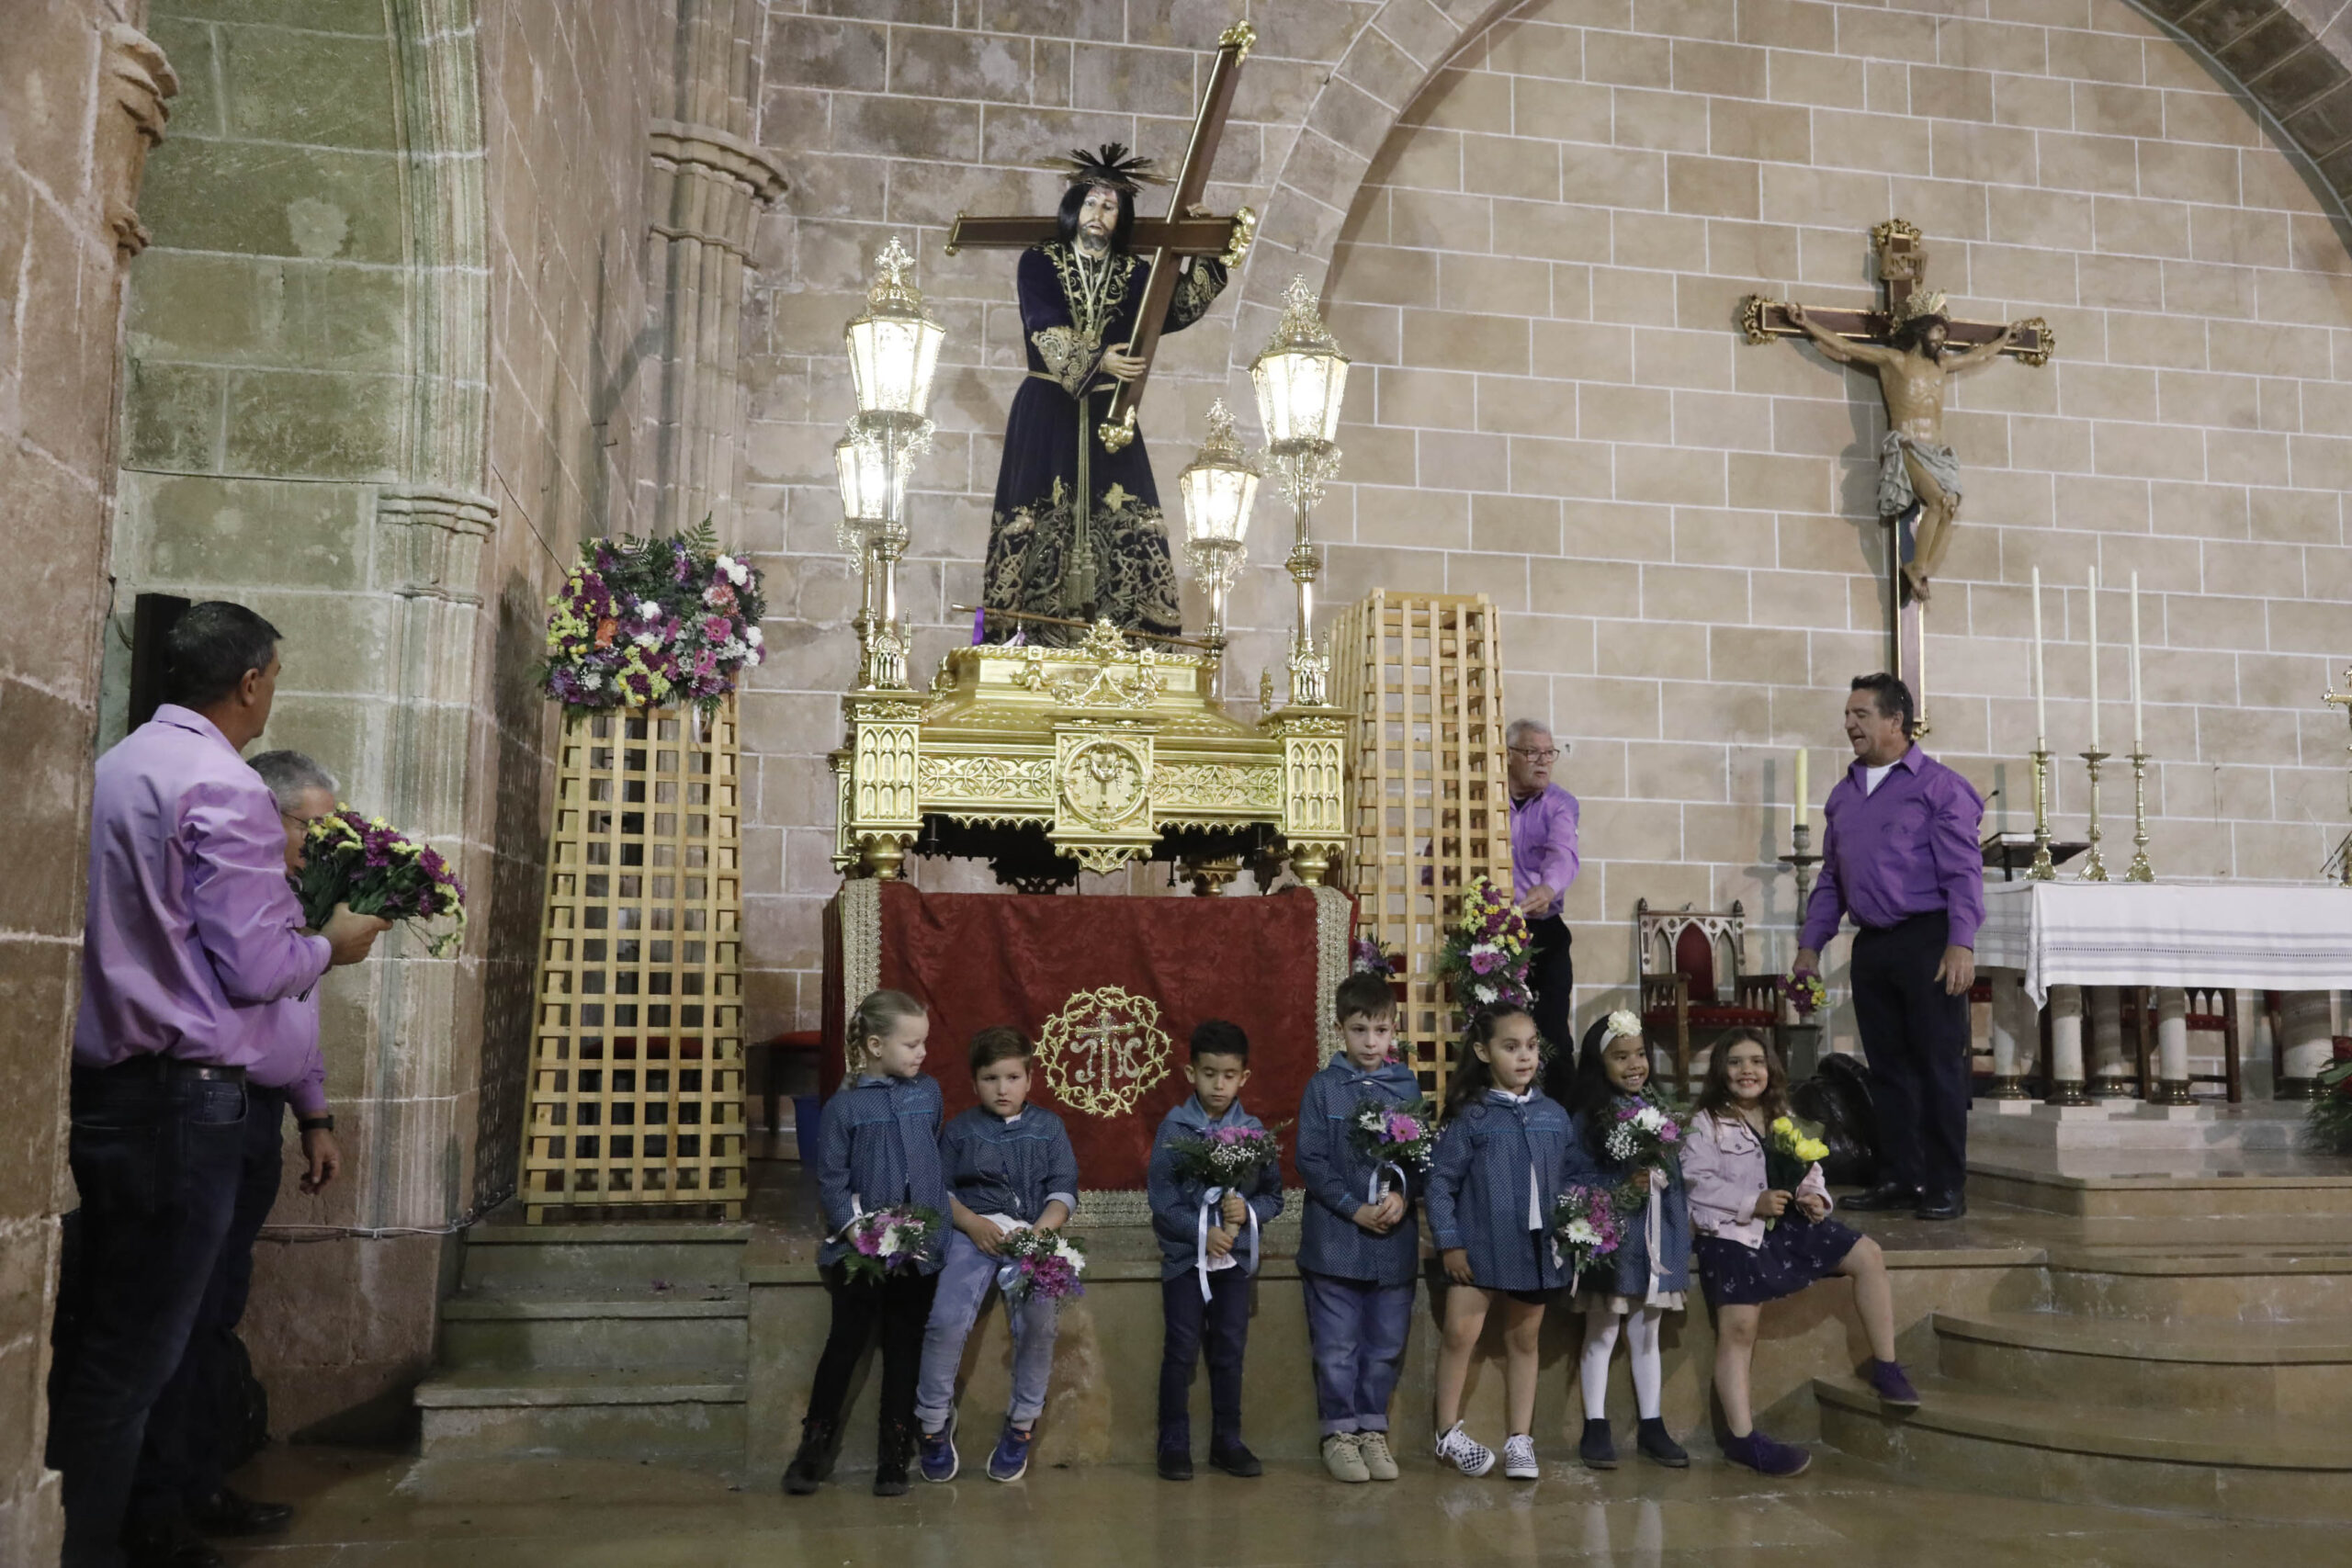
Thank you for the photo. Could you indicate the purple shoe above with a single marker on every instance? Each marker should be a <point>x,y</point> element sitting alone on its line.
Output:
<point>1765,1456</point>
<point>1892,1388</point>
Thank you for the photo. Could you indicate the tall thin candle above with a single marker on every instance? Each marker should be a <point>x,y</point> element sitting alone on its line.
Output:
<point>2041,688</point>
<point>2093,648</point>
<point>2139,731</point>
<point>1804,794</point>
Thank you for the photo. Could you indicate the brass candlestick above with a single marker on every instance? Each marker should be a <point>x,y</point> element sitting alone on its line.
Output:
<point>2042,869</point>
<point>2142,871</point>
<point>2093,868</point>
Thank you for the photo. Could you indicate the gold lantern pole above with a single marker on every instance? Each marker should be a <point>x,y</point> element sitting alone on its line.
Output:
<point>893,348</point>
<point>1220,490</point>
<point>1301,377</point>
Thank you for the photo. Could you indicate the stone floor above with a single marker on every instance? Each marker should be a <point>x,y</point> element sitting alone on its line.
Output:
<point>391,1511</point>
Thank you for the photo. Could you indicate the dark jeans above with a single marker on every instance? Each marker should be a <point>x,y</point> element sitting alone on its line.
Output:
<point>1356,1331</point>
<point>189,1437</point>
<point>895,1311</point>
<point>1915,1039</point>
<point>1220,1325</point>
<point>156,1156</point>
<point>1551,975</point>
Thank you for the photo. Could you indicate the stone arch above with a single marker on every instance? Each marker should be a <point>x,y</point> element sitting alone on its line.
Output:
<point>2290,59</point>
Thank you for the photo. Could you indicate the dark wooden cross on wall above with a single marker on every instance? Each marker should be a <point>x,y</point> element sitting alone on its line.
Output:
<point>1914,380</point>
<point>1189,229</point>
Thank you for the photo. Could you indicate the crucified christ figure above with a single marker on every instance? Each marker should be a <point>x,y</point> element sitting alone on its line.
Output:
<point>1918,479</point>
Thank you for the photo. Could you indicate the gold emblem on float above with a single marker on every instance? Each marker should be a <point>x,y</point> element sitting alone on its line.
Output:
<point>1104,781</point>
<point>1103,1051</point>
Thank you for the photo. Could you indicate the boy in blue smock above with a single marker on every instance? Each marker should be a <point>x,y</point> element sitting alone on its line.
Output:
<point>1209,1247</point>
<point>1009,1167</point>
<point>1359,1248</point>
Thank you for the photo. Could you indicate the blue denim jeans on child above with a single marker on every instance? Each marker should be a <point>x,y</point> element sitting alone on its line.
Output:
<point>1219,1326</point>
<point>964,1286</point>
<point>1357,1331</point>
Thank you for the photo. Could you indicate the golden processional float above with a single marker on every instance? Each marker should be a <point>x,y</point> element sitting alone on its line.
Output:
<point>1046,757</point>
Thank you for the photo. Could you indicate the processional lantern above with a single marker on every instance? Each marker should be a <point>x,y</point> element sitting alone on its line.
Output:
<point>1219,490</point>
<point>1302,380</point>
<point>893,353</point>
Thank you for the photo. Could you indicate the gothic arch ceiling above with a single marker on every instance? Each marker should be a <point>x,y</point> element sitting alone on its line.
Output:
<point>2292,60</point>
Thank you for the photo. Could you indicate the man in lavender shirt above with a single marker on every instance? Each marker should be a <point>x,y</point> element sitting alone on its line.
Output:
<point>193,1433</point>
<point>1899,852</point>
<point>1543,861</point>
<point>191,934</point>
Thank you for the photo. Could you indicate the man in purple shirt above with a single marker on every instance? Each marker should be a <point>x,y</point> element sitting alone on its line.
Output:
<point>1542,863</point>
<point>1899,853</point>
<point>190,934</point>
<point>193,1438</point>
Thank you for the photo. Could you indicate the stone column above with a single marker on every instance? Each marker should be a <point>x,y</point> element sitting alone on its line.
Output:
<point>2014,1027</point>
<point>2305,1021</point>
<point>2066,1046</point>
<point>2172,1046</point>
<point>2112,1072</point>
<point>711,182</point>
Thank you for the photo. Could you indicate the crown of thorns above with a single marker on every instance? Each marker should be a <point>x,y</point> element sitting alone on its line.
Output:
<point>1111,164</point>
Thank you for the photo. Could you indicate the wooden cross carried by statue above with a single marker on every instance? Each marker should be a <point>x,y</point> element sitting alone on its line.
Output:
<point>1915,347</point>
<point>1189,229</point>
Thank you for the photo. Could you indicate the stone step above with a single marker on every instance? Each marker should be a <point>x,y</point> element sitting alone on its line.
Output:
<point>502,1255</point>
<point>2200,1131</point>
<point>2275,1368</point>
<point>2285,1284</point>
<point>2237,1467</point>
<point>2157,1184</point>
<point>664,1412</point>
<point>701,1329</point>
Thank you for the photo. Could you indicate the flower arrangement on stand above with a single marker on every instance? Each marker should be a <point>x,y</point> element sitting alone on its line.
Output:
<point>1041,1266</point>
<point>368,863</point>
<point>1486,952</point>
<point>883,1242</point>
<point>642,623</point>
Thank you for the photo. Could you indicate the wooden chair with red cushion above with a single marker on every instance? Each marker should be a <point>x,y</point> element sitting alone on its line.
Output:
<point>1681,955</point>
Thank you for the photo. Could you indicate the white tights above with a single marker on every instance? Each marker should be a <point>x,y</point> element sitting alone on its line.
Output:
<point>1641,1350</point>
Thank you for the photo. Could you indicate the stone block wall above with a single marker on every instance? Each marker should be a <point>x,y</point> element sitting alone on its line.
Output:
<point>381,377</point>
<point>81,94</point>
<point>1532,234</point>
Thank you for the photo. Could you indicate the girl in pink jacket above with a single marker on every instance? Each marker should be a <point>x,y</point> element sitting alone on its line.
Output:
<point>1756,1243</point>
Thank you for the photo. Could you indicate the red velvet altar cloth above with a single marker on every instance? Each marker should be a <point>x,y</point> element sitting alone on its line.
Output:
<point>977,959</point>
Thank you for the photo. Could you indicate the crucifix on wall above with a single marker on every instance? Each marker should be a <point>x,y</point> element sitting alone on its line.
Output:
<point>1916,347</point>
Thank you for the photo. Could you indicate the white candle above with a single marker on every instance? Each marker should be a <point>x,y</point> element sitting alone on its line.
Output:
<point>2139,741</point>
<point>1804,810</point>
<point>2041,691</point>
<point>2093,648</point>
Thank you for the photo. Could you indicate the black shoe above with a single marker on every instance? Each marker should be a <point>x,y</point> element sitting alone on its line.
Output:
<point>1175,1464</point>
<point>1884,1196</point>
<point>1235,1461</point>
<point>892,1457</point>
<point>813,1462</point>
<point>168,1543</point>
<point>232,1513</point>
<point>1596,1449</point>
<point>1659,1447</point>
<point>1943,1206</point>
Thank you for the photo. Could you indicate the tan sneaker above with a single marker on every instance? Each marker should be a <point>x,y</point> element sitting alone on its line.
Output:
<point>1373,1448</point>
<point>1341,1458</point>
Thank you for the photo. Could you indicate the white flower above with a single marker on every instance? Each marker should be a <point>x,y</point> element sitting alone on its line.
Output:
<point>647,610</point>
<point>753,635</point>
<point>1649,1119</point>
<point>648,640</point>
<point>727,564</point>
<point>1479,950</point>
<point>590,681</point>
<point>1580,1232</point>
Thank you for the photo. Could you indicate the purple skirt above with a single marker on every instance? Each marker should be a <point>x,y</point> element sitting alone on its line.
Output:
<point>1794,1254</point>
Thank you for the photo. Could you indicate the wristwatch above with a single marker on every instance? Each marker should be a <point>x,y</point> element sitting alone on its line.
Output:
<point>315,1123</point>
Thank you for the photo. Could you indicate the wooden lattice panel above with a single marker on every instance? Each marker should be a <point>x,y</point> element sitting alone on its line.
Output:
<point>1423,674</point>
<point>636,1062</point>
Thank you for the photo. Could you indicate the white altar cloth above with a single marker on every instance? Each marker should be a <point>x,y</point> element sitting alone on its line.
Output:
<point>2249,935</point>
